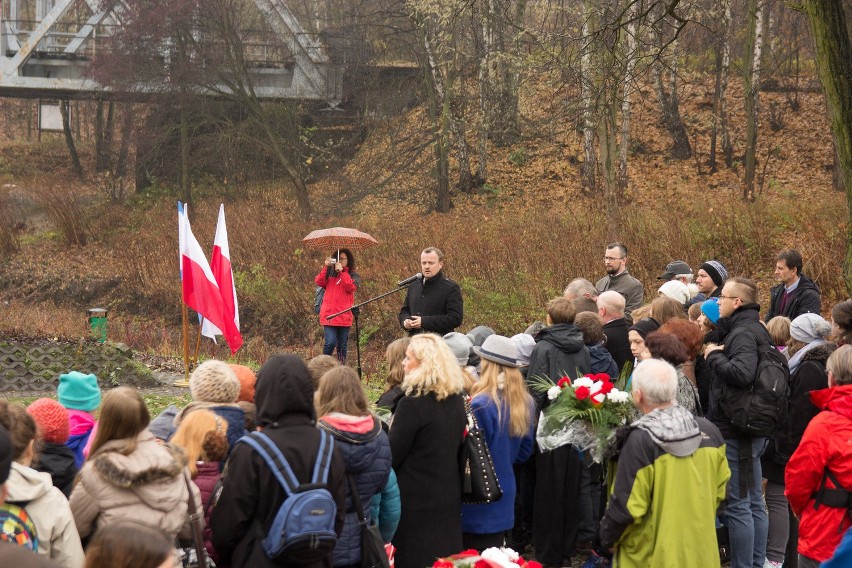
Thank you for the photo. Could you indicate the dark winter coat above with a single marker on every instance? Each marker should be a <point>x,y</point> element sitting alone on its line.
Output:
<point>438,302</point>
<point>601,360</point>
<point>425,439</point>
<point>339,295</point>
<point>367,456</point>
<point>390,398</point>
<point>627,286</point>
<point>735,366</point>
<point>250,492</point>
<point>617,342</point>
<point>805,300</point>
<point>559,351</point>
<point>58,460</point>
<point>809,376</point>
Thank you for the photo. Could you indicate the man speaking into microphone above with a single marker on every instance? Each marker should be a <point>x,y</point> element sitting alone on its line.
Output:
<point>433,303</point>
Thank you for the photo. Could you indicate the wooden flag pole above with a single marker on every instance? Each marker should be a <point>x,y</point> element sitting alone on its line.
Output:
<point>185,330</point>
<point>198,341</point>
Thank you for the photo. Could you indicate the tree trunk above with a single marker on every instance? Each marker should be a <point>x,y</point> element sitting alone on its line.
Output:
<point>99,136</point>
<point>669,107</point>
<point>608,143</point>
<point>834,65</point>
<point>724,130</point>
<point>69,139</point>
<point>485,88</point>
<point>751,80</point>
<point>836,171</point>
<point>185,187</point>
<point>630,64</point>
<point>107,137</point>
<point>588,173</point>
<point>714,129</point>
<point>124,148</point>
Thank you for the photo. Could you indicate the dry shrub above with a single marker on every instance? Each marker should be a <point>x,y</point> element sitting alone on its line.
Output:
<point>9,228</point>
<point>62,205</point>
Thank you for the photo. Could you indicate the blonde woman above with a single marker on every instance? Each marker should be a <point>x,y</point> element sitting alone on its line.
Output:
<point>425,439</point>
<point>504,411</point>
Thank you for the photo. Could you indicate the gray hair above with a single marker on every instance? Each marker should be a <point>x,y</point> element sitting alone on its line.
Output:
<point>612,301</point>
<point>579,287</point>
<point>657,380</point>
<point>839,364</point>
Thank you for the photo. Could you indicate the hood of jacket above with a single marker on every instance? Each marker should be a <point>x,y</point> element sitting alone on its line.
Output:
<point>566,337</point>
<point>836,399</point>
<point>284,389</point>
<point>674,429</point>
<point>58,461</point>
<point>820,353</point>
<point>806,283</point>
<point>362,448</point>
<point>26,484</point>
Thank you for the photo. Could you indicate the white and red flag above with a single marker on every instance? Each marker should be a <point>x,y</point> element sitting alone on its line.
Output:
<point>220,265</point>
<point>200,289</point>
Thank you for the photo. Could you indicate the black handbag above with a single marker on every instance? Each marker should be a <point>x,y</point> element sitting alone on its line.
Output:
<point>479,481</point>
<point>373,553</point>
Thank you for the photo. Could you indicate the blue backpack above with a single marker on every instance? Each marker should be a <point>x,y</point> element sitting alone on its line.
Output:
<point>303,528</point>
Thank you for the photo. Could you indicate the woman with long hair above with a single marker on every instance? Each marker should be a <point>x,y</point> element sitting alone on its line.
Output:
<point>340,281</point>
<point>129,545</point>
<point>202,436</point>
<point>394,355</point>
<point>343,412</point>
<point>130,475</point>
<point>504,411</point>
<point>425,439</point>
<point>33,491</point>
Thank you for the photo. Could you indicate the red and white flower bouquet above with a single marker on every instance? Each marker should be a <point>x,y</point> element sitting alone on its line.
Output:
<point>584,413</point>
<point>488,558</point>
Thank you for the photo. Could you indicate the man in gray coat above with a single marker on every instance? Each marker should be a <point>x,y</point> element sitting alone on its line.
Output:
<point>619,279</point>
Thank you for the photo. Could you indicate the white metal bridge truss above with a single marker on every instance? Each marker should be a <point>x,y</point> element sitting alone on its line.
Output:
<point>46,48</point>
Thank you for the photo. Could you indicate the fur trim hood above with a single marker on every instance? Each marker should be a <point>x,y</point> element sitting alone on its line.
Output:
<point>149,463</point>
<point>820,353</point>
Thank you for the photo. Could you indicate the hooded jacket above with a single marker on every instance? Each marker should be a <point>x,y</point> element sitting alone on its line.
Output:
<point>438,302</point>
<point>601,360</point>
<point>559,351</point>
<point>650,519</point>
<point>825,445</point>
<point>58,460</point>
<point>339,295</point>
<point>735,366</point>
<point>147,486</point>
<point>366,452</point>
<point>250,492</point>
<point>805,300</point>
<point>48,508</point>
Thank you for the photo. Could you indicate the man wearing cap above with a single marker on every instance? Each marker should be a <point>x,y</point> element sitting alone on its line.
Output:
<point>680,271</point>
<point>796,294</point>
<point>619,279</point>
<point>651,520</point>
<point>433,303</point>
<point>710,278</point>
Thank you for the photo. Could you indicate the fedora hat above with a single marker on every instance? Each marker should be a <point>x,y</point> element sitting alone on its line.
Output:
<point>499,349</point>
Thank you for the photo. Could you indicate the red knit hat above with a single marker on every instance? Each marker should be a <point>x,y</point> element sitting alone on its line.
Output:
<point>52,420</point>
<point>247,380</point>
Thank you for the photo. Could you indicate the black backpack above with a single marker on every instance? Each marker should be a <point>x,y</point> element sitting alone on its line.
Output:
<point>757,411</point>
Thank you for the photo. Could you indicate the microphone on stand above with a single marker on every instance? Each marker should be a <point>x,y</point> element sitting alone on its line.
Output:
<point>410,279</point>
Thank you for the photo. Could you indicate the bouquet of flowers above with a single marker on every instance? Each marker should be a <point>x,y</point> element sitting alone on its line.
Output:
<point>584,413</point>
<point>488,558</point>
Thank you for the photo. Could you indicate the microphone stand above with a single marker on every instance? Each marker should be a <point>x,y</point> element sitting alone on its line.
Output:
<point>355,309</point>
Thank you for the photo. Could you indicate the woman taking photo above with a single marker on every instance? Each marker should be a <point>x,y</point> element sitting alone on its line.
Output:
<point>504,411</point>
<point>425,439</point>
<point>339,281</point>
<point>129,476</point>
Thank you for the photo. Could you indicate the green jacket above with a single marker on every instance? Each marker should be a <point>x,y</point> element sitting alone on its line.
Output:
<point>669,481</point>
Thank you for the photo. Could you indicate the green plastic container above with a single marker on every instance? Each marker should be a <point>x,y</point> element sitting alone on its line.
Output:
<point>98,323</point>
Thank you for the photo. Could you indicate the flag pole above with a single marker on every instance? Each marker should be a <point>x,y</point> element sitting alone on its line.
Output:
<point>185,329</point>
<point>198,339</point>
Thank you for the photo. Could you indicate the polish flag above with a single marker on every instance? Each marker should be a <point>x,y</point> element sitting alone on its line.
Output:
<point>220,265</point>
<point>200,291</point>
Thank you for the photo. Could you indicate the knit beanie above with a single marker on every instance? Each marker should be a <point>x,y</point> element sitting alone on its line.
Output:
<point>460,345</point>
<point>710,308</point>
<point>214,381</point>
<point>52,420</point>
<point>247,380</point>
<point>526,344</point>
<point>808,328</point>
<point>676,290</point>
<point>78,391</point>
<point>645,326</point>
<point>716,270</point>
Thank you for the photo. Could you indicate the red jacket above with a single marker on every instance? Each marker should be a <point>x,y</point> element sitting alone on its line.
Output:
<point>827,443</point>
<point>339,295</point>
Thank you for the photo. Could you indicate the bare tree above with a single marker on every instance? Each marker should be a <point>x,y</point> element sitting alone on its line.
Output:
<point>751,87</point>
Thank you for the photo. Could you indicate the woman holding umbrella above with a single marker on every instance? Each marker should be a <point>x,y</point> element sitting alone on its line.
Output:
<point>339,280</point>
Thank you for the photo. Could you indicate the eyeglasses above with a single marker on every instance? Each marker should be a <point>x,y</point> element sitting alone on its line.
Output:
<point>728,298</point>
<point>611,258</point>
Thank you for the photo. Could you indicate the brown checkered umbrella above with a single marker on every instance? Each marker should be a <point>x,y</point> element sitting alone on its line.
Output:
<point>339,237</point>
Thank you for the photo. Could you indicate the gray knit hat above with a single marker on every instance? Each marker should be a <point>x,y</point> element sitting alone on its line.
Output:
<point>460,345</point>
<point>214,381</point>
<point>808,328</point>
<point>716,270</point>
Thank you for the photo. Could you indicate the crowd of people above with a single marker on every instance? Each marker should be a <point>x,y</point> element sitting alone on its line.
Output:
<point>92,480</point>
